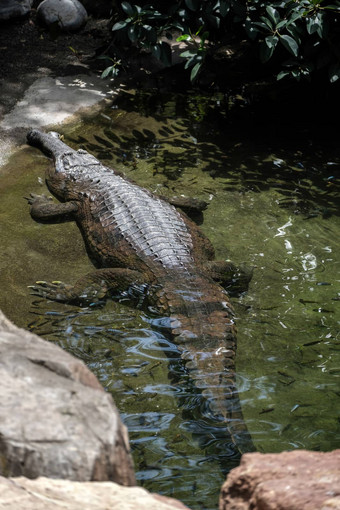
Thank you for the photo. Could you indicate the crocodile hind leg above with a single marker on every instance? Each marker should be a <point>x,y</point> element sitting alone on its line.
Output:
<point>43,208</point>
<point>233,278</point>
<point>93,287</point>
<point>192,207</point>
<point>188,204</point>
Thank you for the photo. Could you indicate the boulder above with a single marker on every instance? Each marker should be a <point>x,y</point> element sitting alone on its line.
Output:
<point>100,8</point>
<point>296,480</point>
<point>47,494</point>
<point>69,15</point>
<point>14,8</point>
<point>55,418</point>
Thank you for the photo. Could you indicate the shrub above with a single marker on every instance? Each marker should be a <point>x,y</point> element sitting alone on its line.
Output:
<point>307,31</point>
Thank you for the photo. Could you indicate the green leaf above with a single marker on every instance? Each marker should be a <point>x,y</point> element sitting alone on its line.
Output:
<point>165,56</point>
<point>266,49</point>
<point>273,14</point>
<point>282,74</point>
<point>294,31</point>
<point>156,51</point>
<point>267,22</point>
<point>290,44</point>
<point>334,73</point>
<point>195,71</point>
<point>296,15</point>
<point>130,11</point>
<point>120,25</point>
<point>188,54</point>
<point>271,41</point>
<point>150,34</point>
<point>190,62</point>
<point>152,15</point>
<point>133,32</point>
<point>213,20</point>
<point>332,6</point>
<point>180,26</point>
<point>282,24</point>
<point>193,5</point>
<point>311,25</point>
<point>224,8</point>
<point>260,25</point>
<point>184,37</point>
<point>296,73</point>
<point>106,72</point>
<point>323,27</point>
<point>251,29</point>
<point>317,23</point>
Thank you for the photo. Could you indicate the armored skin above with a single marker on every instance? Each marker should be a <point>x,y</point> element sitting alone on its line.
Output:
<point>141,241</point>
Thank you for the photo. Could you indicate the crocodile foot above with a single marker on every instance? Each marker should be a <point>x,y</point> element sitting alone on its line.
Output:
<point>59,291</point>
<point>43,208</point>
<point>92,288</point>
<point>235,279</point>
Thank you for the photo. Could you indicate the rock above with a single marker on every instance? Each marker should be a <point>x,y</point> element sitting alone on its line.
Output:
<point>46,494</point>
<point>53,100</point>
<point>100,8</point>
<point>68,14</point>
<point>55,418</point>
<point>14,8</point>
<point>296,480</point>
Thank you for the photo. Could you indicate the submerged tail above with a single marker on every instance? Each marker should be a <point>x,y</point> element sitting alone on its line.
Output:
<point>204,330</point>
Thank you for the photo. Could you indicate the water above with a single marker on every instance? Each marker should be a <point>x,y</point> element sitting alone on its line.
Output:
<point>272,194</point>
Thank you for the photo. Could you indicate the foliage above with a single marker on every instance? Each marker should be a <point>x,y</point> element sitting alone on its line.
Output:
<point>111,70</point>
<point>299,37</point>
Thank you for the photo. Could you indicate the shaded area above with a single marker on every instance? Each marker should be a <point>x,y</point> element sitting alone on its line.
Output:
<point>28,52</point>
<point>306,178</point>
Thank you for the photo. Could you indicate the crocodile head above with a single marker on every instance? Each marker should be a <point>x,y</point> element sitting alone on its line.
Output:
<point>69,165</point>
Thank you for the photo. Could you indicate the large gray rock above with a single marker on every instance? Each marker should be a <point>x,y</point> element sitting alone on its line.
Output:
<point>68,14</point>
<point>55,418</point>
<point>46,494</point>
<point>14,8</point>
<point>297,480</point>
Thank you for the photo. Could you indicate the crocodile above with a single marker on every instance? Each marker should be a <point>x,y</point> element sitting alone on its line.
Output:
<point>143,242</point>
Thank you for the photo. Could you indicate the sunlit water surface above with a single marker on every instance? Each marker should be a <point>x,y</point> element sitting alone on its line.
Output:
<point>272,204</point>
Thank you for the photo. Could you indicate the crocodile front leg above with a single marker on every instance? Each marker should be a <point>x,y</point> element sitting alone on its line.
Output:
<point>43,208</point>
<point>93,287</point>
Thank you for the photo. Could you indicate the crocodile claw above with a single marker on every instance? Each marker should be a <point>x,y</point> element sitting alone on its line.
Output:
<point>57,291</point>
<point>33,198</point>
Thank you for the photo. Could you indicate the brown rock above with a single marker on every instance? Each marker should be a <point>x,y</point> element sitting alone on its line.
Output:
<point>55,418</point>
<point>47,494</point>
<point>297,480</point>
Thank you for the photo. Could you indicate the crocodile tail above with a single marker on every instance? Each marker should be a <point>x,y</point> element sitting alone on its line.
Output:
<point>201,318</point>
<point>212,369</point>
<point>220,391</point>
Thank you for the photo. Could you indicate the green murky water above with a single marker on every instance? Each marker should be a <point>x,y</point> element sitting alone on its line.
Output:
<point>273,204</point>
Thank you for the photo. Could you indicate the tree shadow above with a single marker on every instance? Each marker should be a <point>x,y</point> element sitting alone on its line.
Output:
<point>299,164</point>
